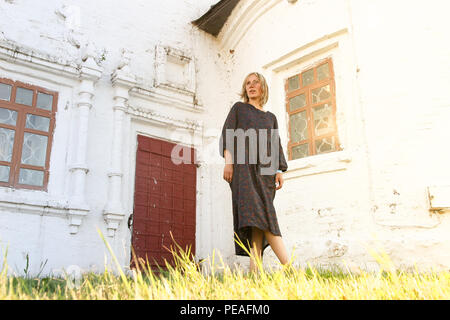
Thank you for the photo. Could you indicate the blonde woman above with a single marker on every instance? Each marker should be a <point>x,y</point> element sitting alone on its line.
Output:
<point>253,184</point>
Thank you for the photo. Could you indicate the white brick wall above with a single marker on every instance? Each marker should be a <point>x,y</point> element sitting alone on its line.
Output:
<point>391,115</point>
<point>55,33</point>
<point>390,63</point>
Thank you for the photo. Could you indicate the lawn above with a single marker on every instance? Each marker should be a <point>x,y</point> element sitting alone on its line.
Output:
<point>186,280</point>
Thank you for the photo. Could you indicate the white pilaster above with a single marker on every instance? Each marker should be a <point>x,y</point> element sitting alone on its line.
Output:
<point>123,80</point>
<point>90,72</point>
<point>205,224</point>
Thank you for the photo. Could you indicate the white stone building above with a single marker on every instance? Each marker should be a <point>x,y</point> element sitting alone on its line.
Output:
<point>94,97</point>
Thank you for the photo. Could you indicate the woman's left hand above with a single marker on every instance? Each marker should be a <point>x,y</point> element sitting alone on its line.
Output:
<point>279,181</point>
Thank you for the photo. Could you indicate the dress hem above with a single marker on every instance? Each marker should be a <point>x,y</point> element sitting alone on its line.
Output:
<point>239,251</point>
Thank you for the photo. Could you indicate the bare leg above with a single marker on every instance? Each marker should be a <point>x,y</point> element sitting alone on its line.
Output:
<point>256,249</point>
<point>278,247</point>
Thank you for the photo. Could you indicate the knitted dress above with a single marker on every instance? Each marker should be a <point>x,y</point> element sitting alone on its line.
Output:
<point>253,182</point>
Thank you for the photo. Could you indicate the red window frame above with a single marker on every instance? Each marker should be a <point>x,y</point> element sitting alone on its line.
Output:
<point>20,129</point>
<point>308,107</point>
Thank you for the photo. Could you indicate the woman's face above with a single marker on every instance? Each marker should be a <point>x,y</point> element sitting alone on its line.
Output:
<point>253,87</point>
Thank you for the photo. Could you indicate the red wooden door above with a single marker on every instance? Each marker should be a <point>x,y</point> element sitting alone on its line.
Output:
<point>164,202</point>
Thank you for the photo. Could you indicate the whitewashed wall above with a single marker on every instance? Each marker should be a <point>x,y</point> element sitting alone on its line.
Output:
<point>402,54</point>
<point>332,208</point>
<point>390,63</point>
<point>43,43</point>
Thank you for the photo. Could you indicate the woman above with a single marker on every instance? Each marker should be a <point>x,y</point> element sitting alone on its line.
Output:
<point>254,216</point>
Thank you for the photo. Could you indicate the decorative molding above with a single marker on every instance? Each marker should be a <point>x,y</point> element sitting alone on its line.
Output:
<point>122,80</point>
<point>185,132</point>
<point>174,81</point>
<point>169,59</point>
<point>307,51</point>
<point>90,72</point>
<point>241,20</point>
<point>169,96</point>
<point>122,77</point>
<point>317,164</point>
<point>90,69</point>
<point>76,217</point>
<point>16,54</point>
<point>53,207</point>
<point>48,207</point>
<point>157,118</point>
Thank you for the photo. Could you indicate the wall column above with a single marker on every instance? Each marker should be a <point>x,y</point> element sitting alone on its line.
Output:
<point>90,73</point>
<point>123,81</point>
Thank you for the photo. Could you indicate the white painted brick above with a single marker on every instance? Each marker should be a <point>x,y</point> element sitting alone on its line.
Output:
<point>392,118</point>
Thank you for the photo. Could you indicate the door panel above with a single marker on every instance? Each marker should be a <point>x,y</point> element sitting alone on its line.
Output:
<point>164,202</point>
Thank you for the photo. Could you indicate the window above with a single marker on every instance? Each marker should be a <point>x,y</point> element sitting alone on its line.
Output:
<point>27,119</point>
<point>311,106</point>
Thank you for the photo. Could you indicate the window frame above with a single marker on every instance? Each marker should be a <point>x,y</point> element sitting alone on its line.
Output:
<point>308,108</point>
<point>20,130</point>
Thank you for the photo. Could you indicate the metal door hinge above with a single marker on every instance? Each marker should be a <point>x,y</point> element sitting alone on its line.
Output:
<point>130,221</point>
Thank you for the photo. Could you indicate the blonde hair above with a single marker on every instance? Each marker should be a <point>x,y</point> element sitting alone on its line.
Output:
<point>264,88</point>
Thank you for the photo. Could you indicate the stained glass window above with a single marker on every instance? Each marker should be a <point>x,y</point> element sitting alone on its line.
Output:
<point>299,126</point>
<point>293,83</point>
<point>6,144</point>
<point>297,102</point>
<point>8,116</point>
<point>311,108</point>
<point>308,78</point>
<point>323,72</point>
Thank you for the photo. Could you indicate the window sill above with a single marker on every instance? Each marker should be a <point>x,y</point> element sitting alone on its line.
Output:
<point>322,163</point>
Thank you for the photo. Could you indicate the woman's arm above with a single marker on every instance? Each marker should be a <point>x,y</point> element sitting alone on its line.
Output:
<point>228,169</point>
<point>228,157</point>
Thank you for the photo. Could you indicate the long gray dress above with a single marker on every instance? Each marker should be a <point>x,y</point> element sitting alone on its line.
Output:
<point>253,190</point>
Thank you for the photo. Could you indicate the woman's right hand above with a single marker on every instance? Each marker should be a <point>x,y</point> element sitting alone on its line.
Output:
<point>228,172</point>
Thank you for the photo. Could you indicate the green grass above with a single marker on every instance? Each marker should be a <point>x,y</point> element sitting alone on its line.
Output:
<point>185,280</point>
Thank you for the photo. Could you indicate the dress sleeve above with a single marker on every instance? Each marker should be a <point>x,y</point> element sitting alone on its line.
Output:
<point>231,122</point>
<point>282,160</point>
